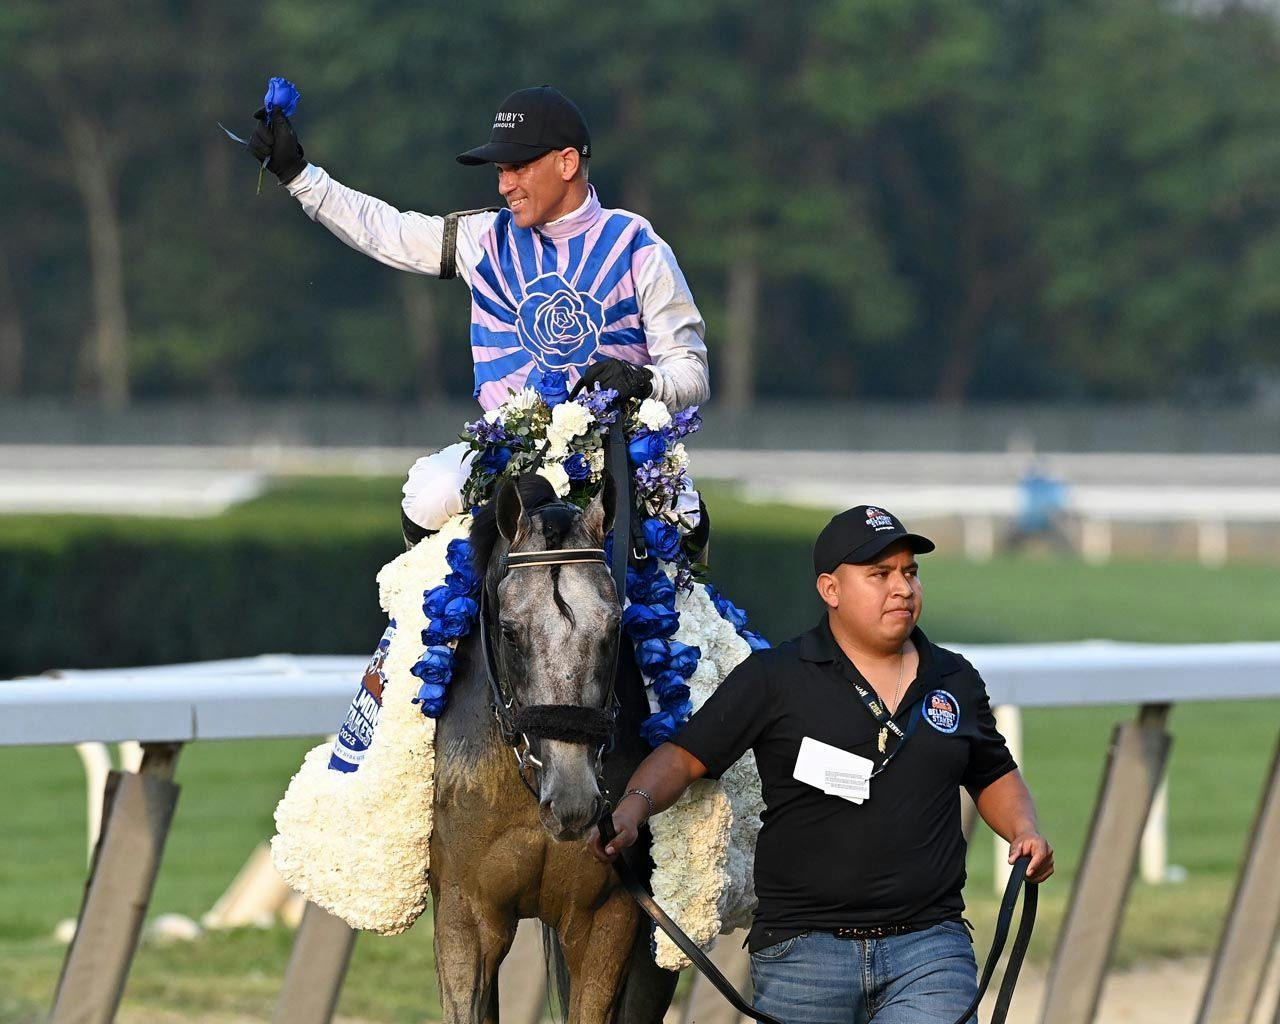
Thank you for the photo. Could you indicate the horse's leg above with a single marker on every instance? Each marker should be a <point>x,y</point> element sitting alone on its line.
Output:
<point>647,989</point>
<point>596,948</point>
<point>471,938</point>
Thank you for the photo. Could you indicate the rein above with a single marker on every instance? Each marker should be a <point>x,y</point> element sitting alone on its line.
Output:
<point>1017,883</point>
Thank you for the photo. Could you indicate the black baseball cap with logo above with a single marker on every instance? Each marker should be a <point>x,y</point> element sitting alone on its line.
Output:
<point>529,123</point>
<point>859,534</point>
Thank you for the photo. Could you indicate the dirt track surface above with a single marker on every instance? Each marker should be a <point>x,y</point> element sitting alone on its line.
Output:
<point>1167,992</point>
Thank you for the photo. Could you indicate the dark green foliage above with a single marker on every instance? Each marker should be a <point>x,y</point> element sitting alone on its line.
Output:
<point>294,572</point>
<point>957,199</point>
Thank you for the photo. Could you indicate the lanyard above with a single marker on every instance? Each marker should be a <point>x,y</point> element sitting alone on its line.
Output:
<point>875,706</point>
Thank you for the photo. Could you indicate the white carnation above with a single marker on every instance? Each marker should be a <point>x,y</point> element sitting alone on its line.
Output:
<point>653,414</point>
<point>678,456</point>
<point>554,473</point>
<point>569,419</point>
<point>557,445</point>
<point>494,415</point>
<point>381,814</point>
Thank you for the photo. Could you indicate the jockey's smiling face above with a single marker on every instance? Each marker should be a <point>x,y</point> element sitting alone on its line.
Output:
<point>876,604</point>
<point>545,188</point>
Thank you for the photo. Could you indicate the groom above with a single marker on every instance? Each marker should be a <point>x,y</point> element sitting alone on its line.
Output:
<point>558,283</point>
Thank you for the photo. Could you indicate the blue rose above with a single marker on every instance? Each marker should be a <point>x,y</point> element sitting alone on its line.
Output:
<point>431,697</point>
<point>642,621</point>
<point>679,710</point>
<point>576,466</point>
<point>455,620</point>
<point>435,665</point>
<point>463,581</point>
<point>435,600</point>
<point>754,639</point>
<point>281,95</point>
<point>651,588</point>
<point>552,385</point>
<point>670,687</point>
<point>685,660</point>
<point>656,656</point>
<point>647,446</point>
<point>494,458</point>
<point>558,325</point>
<point>662,539</point>
<point>658,728</point>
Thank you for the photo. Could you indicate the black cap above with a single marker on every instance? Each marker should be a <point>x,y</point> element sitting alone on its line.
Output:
<point>529,123</point>
<point>860,534</point>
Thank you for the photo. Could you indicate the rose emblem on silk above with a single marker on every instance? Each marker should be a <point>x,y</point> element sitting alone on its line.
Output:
<point>558,326</point>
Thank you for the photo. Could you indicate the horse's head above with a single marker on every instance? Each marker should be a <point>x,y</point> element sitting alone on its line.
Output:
<point>554,636</point>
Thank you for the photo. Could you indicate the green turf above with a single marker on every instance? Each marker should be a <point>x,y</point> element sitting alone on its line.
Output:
<point>1219,757</point>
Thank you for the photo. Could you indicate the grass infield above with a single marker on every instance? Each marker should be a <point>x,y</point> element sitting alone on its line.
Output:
<point>1219,758</point>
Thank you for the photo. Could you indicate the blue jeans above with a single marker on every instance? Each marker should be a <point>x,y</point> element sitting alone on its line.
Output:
<point>816,978</point>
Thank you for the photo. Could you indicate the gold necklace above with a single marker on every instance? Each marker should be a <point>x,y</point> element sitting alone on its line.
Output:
<point>882,741</point>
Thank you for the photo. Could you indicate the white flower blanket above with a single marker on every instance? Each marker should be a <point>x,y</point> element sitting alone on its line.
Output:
<point>357,842</point>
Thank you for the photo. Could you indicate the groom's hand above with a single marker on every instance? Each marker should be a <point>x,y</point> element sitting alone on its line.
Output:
<point>273,140</point>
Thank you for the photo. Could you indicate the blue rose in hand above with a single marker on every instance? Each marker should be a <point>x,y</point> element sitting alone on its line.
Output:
<point>662,539</point>
<point>558,325</point>
<point>281,95</point>
<point>642,621</point>
<point>552,385</point>
<point>647,446</point>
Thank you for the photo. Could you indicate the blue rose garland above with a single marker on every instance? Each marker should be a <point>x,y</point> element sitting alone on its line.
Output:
<point>737,618</point>
<point>451,610</point>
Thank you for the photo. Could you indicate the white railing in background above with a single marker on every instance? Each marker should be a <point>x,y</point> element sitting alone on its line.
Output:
<point>283,695</point>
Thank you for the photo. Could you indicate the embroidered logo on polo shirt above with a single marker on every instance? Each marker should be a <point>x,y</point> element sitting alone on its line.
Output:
<point>942,711</point>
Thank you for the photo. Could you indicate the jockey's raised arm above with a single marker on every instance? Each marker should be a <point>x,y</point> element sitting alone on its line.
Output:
<point>558,282</point>
<point>402,239</point>
<point>562,288</point>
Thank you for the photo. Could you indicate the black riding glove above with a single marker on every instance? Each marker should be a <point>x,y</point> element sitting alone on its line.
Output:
<point>628,380</point>
<point>273,140</point>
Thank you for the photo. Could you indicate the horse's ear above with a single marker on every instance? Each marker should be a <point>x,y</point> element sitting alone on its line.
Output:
<point>598,516</point>
<point>509,510</point>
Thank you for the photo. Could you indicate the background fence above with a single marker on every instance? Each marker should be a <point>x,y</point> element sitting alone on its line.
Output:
<point>168,706</point>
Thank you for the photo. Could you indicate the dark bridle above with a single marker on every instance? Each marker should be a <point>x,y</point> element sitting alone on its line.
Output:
<point>570,723</point>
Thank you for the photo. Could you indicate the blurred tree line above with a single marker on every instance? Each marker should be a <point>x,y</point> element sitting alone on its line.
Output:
<point>948,199</point>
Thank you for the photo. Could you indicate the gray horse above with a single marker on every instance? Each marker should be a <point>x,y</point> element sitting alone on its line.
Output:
<point>498,852</point>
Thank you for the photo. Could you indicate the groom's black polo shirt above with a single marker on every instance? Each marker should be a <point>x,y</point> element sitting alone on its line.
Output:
<point>821,861</point>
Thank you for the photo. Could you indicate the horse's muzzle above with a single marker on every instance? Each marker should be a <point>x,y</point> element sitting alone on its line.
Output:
<point>569,819</point>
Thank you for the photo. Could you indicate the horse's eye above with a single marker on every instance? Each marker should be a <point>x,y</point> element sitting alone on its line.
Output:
<point>510,632</point>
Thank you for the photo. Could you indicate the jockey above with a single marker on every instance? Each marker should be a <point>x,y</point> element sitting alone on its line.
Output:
<point>558,283</point>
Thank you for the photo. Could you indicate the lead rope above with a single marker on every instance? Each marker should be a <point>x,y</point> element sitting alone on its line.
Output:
<point>1017,882</point>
